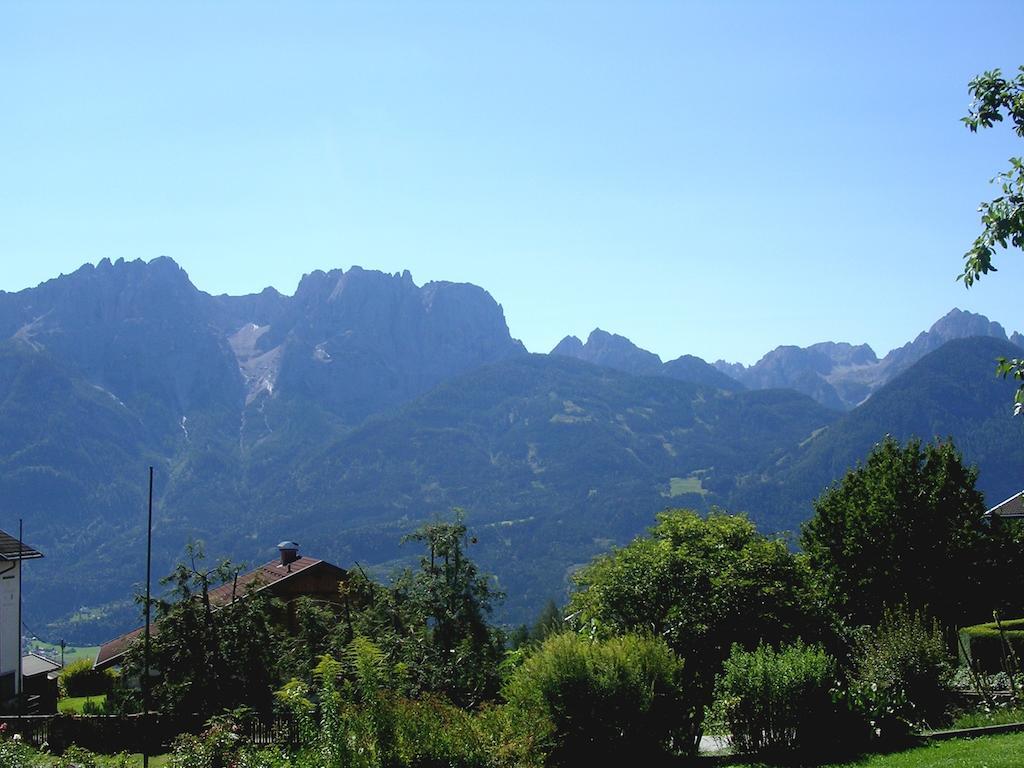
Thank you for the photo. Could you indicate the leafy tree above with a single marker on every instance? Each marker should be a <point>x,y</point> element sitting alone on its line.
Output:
<point>906,527</point>
<point>993,98</point>
<point>435,620</point>
<point>702,585</point>
<point>209,658</point>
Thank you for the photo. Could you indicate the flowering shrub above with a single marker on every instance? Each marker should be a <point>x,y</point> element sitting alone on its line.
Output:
<point>902,673</point>
<point>16,754</point>
<point>222,746</point>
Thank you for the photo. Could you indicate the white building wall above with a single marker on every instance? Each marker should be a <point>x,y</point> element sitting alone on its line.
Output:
<point>9,636</point>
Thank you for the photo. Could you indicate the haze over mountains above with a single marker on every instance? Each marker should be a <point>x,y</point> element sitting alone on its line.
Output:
<point>836,374</point>
<point>348,413</point>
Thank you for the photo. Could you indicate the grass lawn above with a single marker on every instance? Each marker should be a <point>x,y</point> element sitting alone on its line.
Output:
<point>71,652</point>
<point>677,486</point>
<point>73,705</point>
<point>156,761</point>
<point>986,752</point>
<point>999,716</point>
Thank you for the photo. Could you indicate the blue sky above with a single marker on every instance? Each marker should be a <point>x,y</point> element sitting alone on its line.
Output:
<point>710,178</point>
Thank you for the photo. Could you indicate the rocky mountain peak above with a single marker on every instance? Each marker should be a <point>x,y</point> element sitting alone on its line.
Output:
<point>955,324</point>
<point>611,351</point>
<point>570,346</point>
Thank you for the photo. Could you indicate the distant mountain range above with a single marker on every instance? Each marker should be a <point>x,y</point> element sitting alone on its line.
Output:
<point>347,414</point>
<point>836,374</point>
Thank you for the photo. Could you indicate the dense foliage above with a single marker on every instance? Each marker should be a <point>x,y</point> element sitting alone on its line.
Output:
<point>996,646</point>
<point>903,672</point>
<point>614,700</point>
<point>782,702</point>
<point>209,658</point>
<point>78,678</point>
<point>994,98</point>
<point>355,716</point>
<point>434,619</point>
<point>702,584</point>
<point>906,527</point>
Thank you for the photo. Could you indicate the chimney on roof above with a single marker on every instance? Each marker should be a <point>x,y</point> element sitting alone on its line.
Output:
<point>289,552</point>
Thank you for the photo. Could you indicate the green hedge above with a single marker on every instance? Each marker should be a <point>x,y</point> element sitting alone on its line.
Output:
<point>780,703</point>
<point>984,646</point>
<point>607,701</point>
<point>79,679</point>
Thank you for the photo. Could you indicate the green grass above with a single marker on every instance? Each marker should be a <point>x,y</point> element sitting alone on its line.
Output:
<point>135,761</point>
<point>999,716</point>
<point>985,752</point>
<point>73,705</point>
<point>71,652</point>
<point>677,486</point>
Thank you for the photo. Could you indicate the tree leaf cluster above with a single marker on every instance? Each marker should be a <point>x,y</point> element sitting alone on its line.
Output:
<point>907,527</point>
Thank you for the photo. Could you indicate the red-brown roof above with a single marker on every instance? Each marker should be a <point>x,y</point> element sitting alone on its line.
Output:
<point>1012,507</point>
<point>267,575</point>
<point>12,549</point>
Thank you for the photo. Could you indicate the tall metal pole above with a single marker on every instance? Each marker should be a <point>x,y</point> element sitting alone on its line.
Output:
<point>145,647</point>
<point>21,575</point>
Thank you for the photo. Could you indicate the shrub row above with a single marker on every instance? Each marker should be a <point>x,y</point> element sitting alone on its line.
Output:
<point>983,644</point>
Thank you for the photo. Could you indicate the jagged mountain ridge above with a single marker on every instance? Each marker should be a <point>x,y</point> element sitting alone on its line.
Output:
<point>345,414</point>
<point>951,392</point>
<point>843,375</point>
<point>836,374</point>
<point>131,365</point>
<point>618,352</point>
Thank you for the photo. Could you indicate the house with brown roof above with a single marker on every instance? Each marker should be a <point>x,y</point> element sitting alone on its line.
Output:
<point>1011,508</point>
<point>13,553</point>
<point>288,578</point>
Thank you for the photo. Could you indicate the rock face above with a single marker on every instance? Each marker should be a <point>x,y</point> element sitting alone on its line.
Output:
<point>614,351</point>
<point>956,324</point>
<point>120,366</point>
<point>138,331</point>
<point>611,351</point>
<point>842,375</point>
<point>360,341</point>
<point>356,342</point>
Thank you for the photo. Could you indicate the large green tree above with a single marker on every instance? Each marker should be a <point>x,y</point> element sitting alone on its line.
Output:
<point>995,98</point>
<point>210,657</point>
<point>904,528</point>
<point>434,620</point>
<point>702,584</point>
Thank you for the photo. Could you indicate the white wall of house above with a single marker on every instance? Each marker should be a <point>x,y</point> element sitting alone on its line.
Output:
<point>10,656</point>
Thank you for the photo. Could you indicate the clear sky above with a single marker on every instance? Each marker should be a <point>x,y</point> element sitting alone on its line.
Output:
<point>712,178</point>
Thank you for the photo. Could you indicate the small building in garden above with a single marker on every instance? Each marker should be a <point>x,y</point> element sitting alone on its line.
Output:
<point>288,578</point>
<point>13,553</point>
<point>39,677</point>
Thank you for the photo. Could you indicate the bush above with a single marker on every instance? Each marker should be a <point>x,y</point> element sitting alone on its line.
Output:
<point>432,732</point>
<point>604,700</point>
<point>79,679</point>
<point>984,647</point>
<point>780,701</point>
<point>15,753</point>
<point>902,672</point>
<point>219,746</point>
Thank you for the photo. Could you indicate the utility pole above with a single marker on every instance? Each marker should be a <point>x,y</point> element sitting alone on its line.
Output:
<point>21,576</point>
<point>145,651</point>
